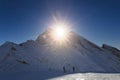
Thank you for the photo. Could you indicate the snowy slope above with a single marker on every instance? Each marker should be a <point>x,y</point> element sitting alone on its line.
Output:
<point>78,55</point>
<point>59,76</point>
<point>112,50</point>
<point>88,76</point>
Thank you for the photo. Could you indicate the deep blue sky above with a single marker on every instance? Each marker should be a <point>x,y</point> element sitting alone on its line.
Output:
<point>96,20</point>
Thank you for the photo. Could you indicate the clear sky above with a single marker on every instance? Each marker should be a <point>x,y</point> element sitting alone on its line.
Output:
<point>96,20</point>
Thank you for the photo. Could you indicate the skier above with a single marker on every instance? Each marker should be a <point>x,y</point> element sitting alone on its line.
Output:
<point>64,69</point>
<point>73,69</point>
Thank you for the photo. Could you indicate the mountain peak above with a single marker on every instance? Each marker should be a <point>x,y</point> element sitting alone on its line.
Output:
<point>73,39</point>
<point>51,36</point>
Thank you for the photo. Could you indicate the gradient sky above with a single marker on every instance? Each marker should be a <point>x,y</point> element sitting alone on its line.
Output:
<point>96,20</point>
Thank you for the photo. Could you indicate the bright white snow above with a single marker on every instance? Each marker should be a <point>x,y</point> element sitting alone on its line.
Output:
<point>43,57</point>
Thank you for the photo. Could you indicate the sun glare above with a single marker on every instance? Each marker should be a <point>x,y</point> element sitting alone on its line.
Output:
<point>60,33</point>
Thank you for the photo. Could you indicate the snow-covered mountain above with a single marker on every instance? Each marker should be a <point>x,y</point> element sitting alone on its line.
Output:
<point>77,55</point>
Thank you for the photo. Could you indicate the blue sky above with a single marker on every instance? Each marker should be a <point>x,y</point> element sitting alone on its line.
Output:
<point>96,20</point>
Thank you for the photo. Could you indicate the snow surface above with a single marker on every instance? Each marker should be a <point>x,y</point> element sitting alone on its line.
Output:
<point>44,57</point>
<point>59,76</point>
<point>88,76</point>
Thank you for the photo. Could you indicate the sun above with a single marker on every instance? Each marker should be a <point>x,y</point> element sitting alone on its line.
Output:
<point>60,32</point>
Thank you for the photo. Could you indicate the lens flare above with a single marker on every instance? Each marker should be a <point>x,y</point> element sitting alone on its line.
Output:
<point>60,33</point>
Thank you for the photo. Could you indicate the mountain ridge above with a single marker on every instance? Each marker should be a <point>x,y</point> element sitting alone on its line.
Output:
<point>79,55</point>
